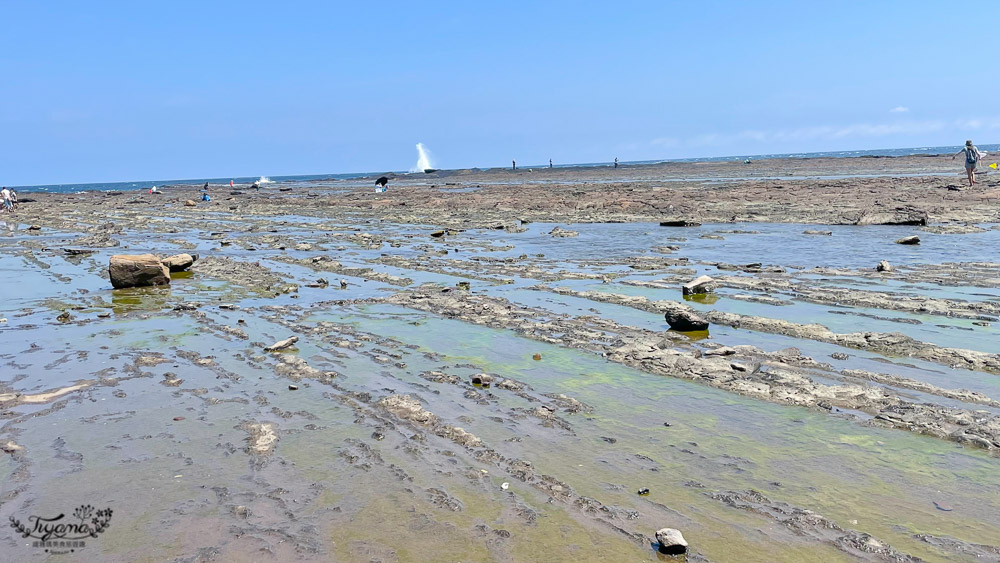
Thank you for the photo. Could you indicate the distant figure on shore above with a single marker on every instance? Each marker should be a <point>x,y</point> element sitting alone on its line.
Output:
<point>550,163</point>
<point>205,187</point>
<point>616,162</point>
<point>13,198</point>
<point>204,197</point>
<point>153,190</point>
<point>256,185</point>
<point>231,185</point>
<point>382,181</point>
<point>513,165</point>
<point>972,157</point>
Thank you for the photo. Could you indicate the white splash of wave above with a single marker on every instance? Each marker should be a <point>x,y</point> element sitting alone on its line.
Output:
<point>423,159</point>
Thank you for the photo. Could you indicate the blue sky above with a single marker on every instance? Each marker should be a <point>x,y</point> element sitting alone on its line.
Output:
<point>114,91</point>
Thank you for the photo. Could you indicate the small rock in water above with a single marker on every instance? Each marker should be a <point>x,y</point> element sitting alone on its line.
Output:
<point>178,418</point>
<point>11,448</point>
<point>685,321</point>
<point>179,262</point>
<point>282,344</point>
<point>671,541</point>
<point>820,233</point>
<point>536,357</point>
<point>293,387</point>
<point>884,266</point>
<point>482,379</point>
<point>64,317</point>
<point>909,240</point>
<point>839,356</point>
<point>943,506</point>
<point>560,232</point>
<point>701,284</point>
<point>464,286</point>
<point>505,485</point>
<point>643,492</point>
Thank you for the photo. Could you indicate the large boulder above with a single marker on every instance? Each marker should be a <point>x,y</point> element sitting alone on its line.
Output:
<point>701,284</point>
<point>685,320</point>
<point>137,270</point>
<point>179,262</point>
<point>671,541</point>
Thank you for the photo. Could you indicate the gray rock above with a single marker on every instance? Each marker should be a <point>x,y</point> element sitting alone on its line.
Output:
<point>482,379</point>
<point>179,262</point>
<point>140,270</point>
<point>560,232</point>
<point>909,240</point>
<point>685,321</point>
<point>701,284</point>
<point>884,266</point>
<point>820,233</point>
<point>282,344</point>
<point>898,216</point>
<point>671,541</point>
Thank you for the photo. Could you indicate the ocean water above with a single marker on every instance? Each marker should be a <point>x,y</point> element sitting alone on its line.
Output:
<point>146,184</point>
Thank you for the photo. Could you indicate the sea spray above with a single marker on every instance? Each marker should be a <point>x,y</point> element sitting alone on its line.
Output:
<point>264,180</point>
<point>423,159</point>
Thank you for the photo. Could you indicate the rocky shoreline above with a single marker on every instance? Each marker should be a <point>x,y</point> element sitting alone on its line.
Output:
<point>479,365</point>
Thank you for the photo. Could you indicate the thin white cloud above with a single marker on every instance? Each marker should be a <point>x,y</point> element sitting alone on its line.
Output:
<point>899,109</point>
<point>829,132</point>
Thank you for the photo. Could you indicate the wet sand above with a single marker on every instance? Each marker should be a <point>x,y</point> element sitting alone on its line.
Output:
<point>483,371</point>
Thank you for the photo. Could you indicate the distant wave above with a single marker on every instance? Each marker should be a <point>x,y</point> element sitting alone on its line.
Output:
<point>264,180</point>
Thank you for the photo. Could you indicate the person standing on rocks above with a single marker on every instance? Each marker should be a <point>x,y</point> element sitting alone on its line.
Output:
<point>972,157</point>
<point>513,165</point>
<point>616,162</point>
<point>7,205</point>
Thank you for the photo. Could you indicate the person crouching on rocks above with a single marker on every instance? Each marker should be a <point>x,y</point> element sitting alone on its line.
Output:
<point>972,157</point>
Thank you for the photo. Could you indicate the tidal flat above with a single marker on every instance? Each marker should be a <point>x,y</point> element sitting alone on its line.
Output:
<point>483,370</point>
